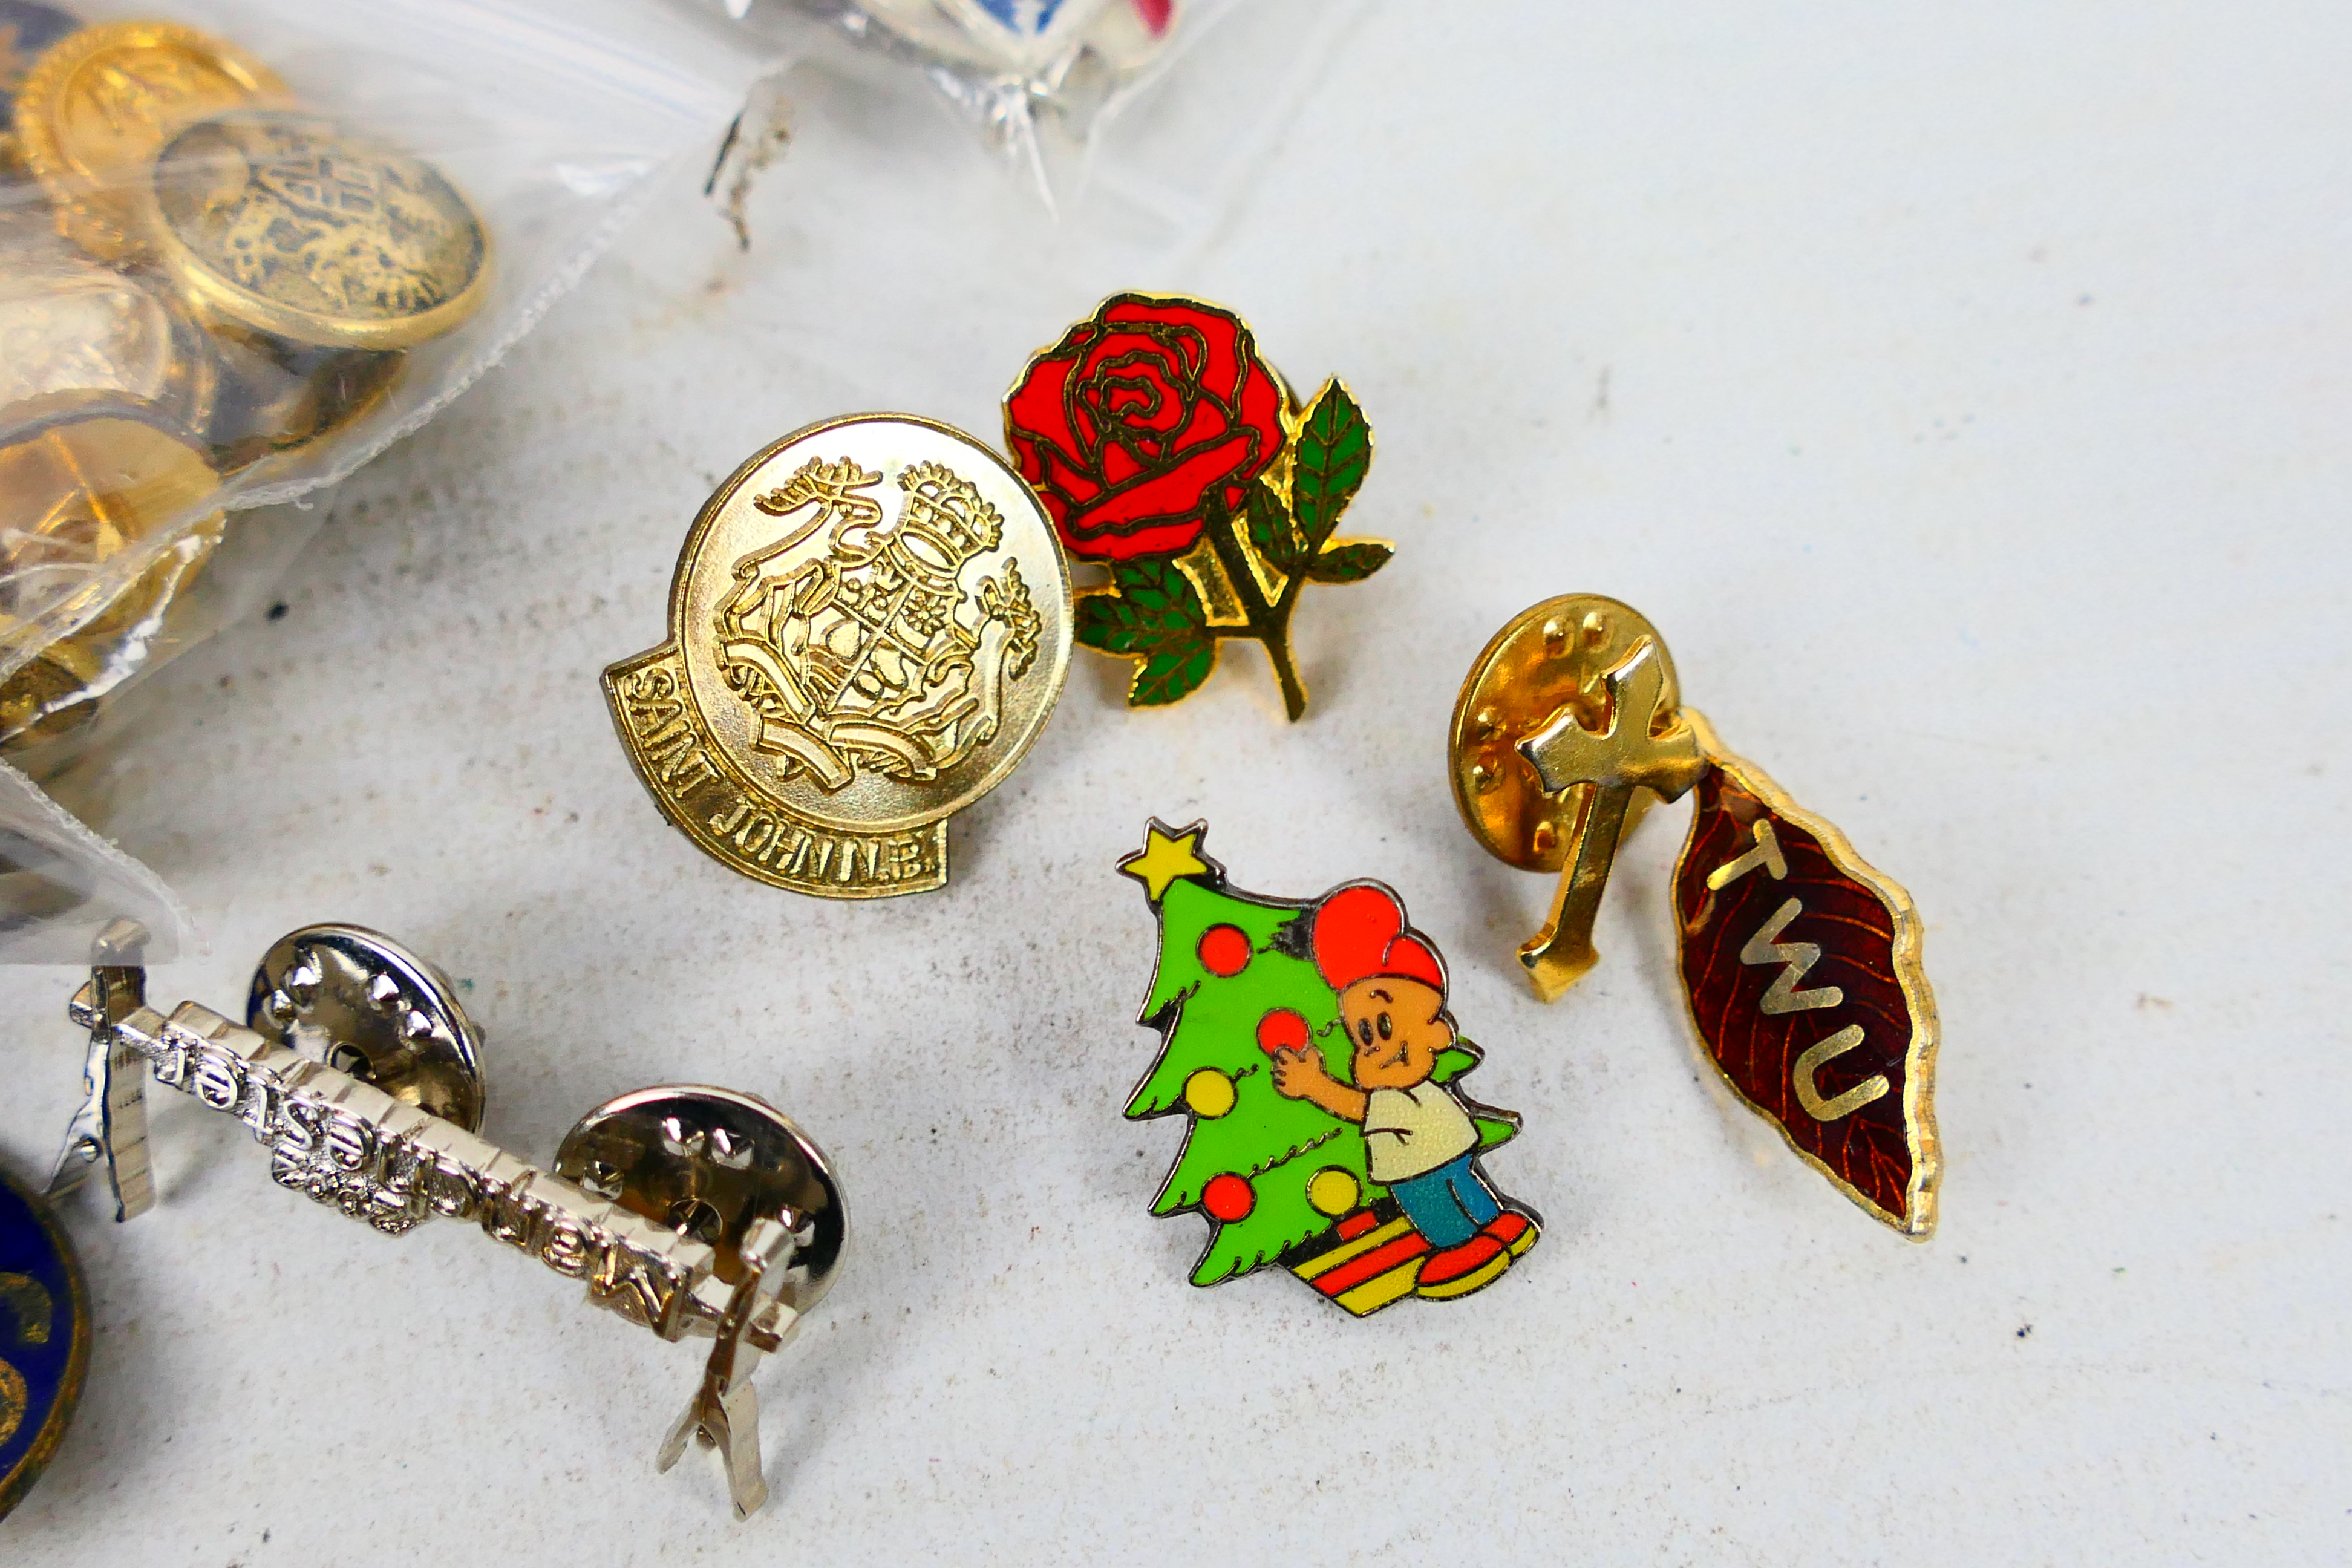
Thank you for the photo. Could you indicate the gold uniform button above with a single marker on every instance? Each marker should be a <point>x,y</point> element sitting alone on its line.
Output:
<point>284,223</point>
<point>94,110</point>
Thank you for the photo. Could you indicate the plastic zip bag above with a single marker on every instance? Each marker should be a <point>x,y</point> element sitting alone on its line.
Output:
<point>244,245</point>
<point>1154,111</point>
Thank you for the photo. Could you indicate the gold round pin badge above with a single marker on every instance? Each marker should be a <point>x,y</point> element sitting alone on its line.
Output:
<point>98,105</point>
<point>869,625</point>
<point>284,222</point>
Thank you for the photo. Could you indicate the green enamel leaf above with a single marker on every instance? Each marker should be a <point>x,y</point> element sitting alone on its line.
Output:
<point>1492,1131</point>
<point>1335,449</point>
<point>1270,532</point>
<point>1112,624</point>
<point>1172,670</point>
<point>1153,608</point>
<point>1163,600</point>
<point>1349,562</point>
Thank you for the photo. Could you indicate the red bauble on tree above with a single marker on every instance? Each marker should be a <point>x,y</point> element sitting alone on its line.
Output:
<point>1228,1198</point>
<point>1225,950</point>
<point>1281,1030</point>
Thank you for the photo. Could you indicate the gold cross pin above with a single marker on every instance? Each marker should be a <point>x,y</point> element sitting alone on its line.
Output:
<point>1570,711</point>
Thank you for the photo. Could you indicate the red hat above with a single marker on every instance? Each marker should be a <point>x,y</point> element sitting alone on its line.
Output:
<point>1359,932</point>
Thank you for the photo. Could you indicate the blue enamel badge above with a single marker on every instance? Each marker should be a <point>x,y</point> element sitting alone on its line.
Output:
<point>44,1338</point>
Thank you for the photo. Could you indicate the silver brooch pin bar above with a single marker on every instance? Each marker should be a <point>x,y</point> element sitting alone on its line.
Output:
<point>684,1208</point>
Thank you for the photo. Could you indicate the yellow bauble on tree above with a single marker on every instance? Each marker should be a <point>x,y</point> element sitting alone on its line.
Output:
<point>1333,1191</point>
<point>1209,1093</point>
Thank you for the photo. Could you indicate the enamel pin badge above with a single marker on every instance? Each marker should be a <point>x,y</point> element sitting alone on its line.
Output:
<point>1310,1044</point>
<point>45,1336</point>
<point>1170,454</point>
<point>1800,960</point>
<point>869,625</point>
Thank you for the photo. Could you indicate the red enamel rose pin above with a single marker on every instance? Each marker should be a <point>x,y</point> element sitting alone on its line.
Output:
<point>1165,449</point>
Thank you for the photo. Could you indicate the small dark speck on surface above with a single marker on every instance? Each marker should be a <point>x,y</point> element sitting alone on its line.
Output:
<point>278,611</point>
<point>2027,1329</point>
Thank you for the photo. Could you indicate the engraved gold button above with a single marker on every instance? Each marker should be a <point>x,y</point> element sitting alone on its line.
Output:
<point>869,624</point>
<point>277,397</point>
<point>91,114</point>
<point>284,222</point>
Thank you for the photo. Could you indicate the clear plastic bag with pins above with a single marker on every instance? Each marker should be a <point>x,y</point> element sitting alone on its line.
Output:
<point>1145,117</point>
<point>246,245</point>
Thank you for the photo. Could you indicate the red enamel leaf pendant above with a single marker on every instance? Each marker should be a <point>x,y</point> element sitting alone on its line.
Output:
<point>1801,964</point>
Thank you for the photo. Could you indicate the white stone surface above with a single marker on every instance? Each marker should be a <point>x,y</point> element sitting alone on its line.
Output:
<point>1963,390</point>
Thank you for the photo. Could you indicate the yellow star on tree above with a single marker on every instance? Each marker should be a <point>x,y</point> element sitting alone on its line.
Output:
<point>1166,854</point>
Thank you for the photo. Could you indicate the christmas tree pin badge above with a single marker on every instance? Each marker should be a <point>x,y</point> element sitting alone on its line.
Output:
<point>1800,960</point>
<point>1308,1041</point>
<point>1169,453</point>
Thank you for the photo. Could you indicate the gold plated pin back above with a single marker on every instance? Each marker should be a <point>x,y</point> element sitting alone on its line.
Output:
<point>86,479</point>
<point>869,625</point>
<point>1567,721</point>
<point>684,1208</point>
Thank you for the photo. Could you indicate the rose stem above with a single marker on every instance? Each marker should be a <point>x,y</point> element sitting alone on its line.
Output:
<point>1268,624</point>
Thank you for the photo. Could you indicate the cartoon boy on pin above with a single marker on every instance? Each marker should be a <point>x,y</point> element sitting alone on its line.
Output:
<point>1418,1136</point>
